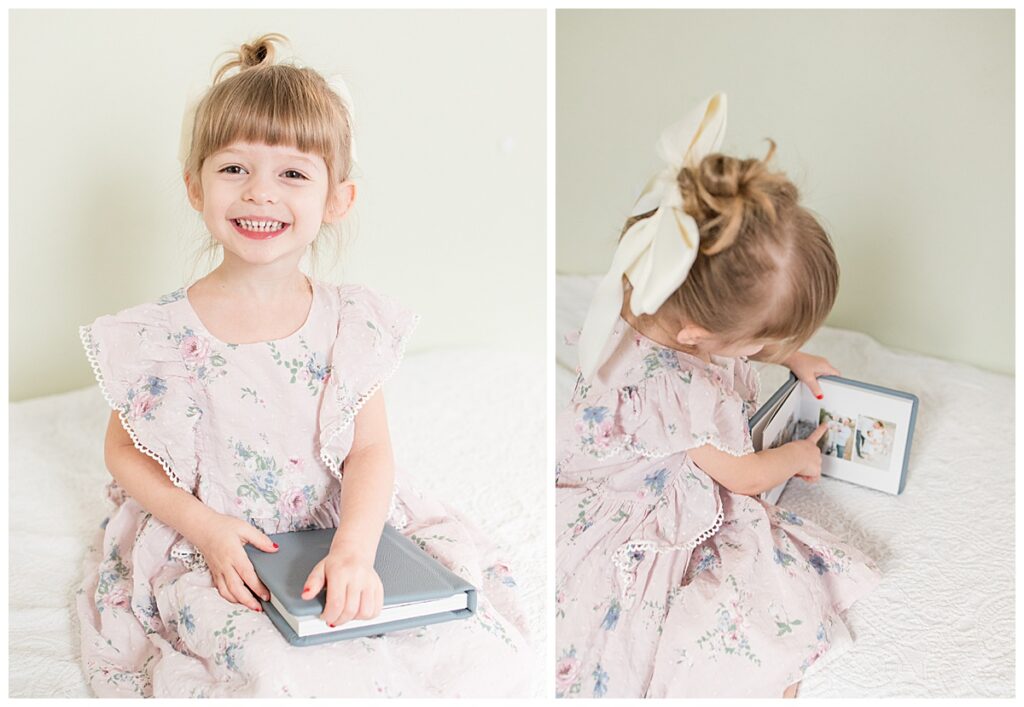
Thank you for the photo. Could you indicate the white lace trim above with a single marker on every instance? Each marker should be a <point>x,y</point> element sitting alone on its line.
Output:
<point>395,515</point>
<point>621,557</point>
<point>189,556</point>
<point>85,334</point>
<point>631,447</point>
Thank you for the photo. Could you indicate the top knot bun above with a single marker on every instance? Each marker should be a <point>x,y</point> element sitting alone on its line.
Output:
<point>724,191</point>
<point>259,51</point>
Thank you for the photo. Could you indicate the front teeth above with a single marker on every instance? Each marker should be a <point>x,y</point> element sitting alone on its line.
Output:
<point>260,226</point>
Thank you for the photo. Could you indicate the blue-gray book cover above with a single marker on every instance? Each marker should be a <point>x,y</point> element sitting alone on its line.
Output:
<point>869,435</point>
<point>418,590</point>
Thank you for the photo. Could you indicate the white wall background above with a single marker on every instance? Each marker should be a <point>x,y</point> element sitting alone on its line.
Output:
<point>450,124</point>
<point>897,126</point>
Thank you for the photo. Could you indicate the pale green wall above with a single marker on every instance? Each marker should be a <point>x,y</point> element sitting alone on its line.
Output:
<point>897,126</point>
<point>450,123</point>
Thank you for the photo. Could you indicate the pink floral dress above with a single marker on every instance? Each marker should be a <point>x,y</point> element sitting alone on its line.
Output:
<point>669,585</point>
<point>260,431</point>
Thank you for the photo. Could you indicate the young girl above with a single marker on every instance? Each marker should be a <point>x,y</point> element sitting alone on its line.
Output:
<point>673,578</point>
<point>249,403</point>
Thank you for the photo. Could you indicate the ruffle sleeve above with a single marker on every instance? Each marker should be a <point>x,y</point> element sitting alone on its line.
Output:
<point>372,333</point>
<point>667,413</point>
<point>141,372</point>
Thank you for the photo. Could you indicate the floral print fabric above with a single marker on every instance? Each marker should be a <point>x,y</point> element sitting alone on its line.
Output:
<point>668,584</point>
<point>260,431</point>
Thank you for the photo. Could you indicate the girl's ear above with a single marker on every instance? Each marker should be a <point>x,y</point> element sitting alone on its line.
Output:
<point>340,202</point>
<point>195,192</point>
<point>692,335</point>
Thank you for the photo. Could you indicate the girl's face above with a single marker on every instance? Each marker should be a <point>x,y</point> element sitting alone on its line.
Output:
<point>266,203</point>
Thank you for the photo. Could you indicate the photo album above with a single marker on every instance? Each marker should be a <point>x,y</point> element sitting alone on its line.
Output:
<point>418,590</point>
<point>869,430</point>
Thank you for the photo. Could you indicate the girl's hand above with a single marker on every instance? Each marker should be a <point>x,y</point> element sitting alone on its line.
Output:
<point>807,456</point>
<point>354,590</point>
<point>807,369</point>
<point>221,541</point>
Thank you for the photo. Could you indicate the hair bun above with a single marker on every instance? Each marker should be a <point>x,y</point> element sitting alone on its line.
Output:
<point>255,53</point>
<point>723,190</point>
<point>720,175</point>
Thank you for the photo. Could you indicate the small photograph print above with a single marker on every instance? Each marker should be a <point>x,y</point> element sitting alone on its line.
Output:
<point>804,428</point>
<point>788,433</point>
<point>836,441</point>
<point>873,442</point>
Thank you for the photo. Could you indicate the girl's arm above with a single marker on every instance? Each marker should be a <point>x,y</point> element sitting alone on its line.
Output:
<point>757,472</point>
<point>353,588</point>
<point>369,478</point>
<point>749,474</point>
<point>219,537</point>
<point>144,479</point>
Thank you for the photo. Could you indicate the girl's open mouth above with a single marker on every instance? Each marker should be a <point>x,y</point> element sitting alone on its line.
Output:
<point>259,230</point>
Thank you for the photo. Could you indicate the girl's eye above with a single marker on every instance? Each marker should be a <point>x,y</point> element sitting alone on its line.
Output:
<point>290,173</point>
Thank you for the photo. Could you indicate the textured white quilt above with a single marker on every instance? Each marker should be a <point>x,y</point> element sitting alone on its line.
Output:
<point>941,624</point>
<point>468,425</point>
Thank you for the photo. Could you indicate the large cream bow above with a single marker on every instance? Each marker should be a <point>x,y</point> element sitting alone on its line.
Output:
<point>656,252</point>
<point>188,120</point>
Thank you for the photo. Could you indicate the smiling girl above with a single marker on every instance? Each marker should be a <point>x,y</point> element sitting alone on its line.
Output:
<point>249,403</point>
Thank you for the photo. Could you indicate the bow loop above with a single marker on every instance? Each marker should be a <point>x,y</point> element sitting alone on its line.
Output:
<point>656,253</point>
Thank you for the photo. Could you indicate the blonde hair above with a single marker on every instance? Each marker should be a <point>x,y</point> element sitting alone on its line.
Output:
<point>765,269</point>
<point>275,104</point>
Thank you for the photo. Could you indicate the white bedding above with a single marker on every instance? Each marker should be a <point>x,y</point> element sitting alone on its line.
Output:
<point>468,425</point>
<point>942,621</point>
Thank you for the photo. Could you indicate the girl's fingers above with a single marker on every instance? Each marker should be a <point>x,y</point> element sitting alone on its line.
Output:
<point>352,601</point>
<point>314,582</point>
<point>367,604</point>
<point>250,577</point>
<point>254,536</point>
<point>821,429</point>
<point>241,594</point>
<point>337,593</point>
<point>222,589</point>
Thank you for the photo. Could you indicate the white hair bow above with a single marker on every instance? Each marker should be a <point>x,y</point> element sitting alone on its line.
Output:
<point>656,252</point>
<point>337,84</point>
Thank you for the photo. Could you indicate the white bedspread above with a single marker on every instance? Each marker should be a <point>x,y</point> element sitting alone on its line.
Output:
<point>468,425</point>
<point>941,624</point>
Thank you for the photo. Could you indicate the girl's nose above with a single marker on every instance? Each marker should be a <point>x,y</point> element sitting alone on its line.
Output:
<point>260,190</point>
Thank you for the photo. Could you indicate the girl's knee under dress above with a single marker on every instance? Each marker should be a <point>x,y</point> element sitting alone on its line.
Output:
<point>153,624</point>
<point>669,585</point>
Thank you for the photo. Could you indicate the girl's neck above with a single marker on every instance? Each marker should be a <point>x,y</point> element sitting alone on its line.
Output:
<point>654,330</point>
<point>269,283</point>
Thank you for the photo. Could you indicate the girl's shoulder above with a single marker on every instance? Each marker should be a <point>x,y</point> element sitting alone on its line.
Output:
<point>141,364</point>
<point>138,324</point>
<point>637,362</point>
<point>663,406</point>
<point>359,307</point>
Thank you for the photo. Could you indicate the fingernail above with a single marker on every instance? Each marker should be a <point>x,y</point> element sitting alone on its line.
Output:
<point>259,608</point>
<point>819,397</point>
<point>275,546</point>
<point>305,589</point>
<point>331,625</point>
